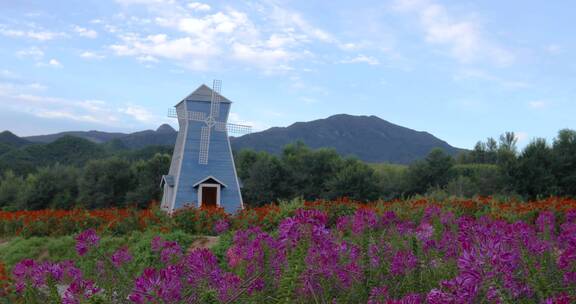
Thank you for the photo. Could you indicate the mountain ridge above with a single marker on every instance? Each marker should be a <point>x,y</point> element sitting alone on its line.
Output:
<point>369,138</point>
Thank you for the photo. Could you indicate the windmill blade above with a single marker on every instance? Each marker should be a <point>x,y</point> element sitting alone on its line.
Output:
<point>238,129</point>
<point>204,145</point>
<point>220,126</point>
<point>215,100</point>
<point>191,115</point>
<point>196,116</point>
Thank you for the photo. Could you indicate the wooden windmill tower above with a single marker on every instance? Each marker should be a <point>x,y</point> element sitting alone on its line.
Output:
<point>202,172</point>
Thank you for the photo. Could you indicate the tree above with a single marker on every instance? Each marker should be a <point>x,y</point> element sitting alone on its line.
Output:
<point>104,183</point>
<point>534,172</point>
<point>432,172</point>
<point>355,180</point>
<point>310,170</point>
<point>508,142</point>
<point>51,187</point>
<point>266,181</point>
<point>564,151</point>
<point>439,164</point>
<point>482,179</point>
<point>10,187</point>
<point>244,160</point>
<point>147,175</point>
<point>391,180</point>
<point>507,161</point>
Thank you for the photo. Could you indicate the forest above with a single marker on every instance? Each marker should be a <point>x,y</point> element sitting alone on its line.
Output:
<point>73,172</point>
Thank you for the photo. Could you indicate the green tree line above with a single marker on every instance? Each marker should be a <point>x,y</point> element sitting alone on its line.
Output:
<point>81,177</point>
<point>493,167</point>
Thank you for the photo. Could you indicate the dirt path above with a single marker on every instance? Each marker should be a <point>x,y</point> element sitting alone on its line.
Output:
<point>204,242</point>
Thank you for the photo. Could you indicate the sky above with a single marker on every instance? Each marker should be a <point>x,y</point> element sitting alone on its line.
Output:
<point>460,70</point>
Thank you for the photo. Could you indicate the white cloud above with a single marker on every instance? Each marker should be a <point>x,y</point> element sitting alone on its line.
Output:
<point>54,63</point>
<point>91,55</point>
<point>521,136</point>
<point>259,55</point>
<point>7,74</point>
<point>477,74</point>
<point>362,59</point>
<point>463,37</point>
<point>25,99</point>
<point>33,52</point>
<point>235,118</point>
<point>148,49</point>
<point>139,113</point>
<point>553,49</point>
<point>537,104</point>
<point>37,86</point>
<point>84,32</point>
<point>309,100</point>
<point>195,35</point>
<point>35,34</point>
<point>197,6</point>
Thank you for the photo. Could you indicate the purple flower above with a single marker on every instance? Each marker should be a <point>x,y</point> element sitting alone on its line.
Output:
<point>389,218</point>
<point>121,256</point>
<point>436,296</point>
<point>364,219</point>
<point>560,299</point>
<point>343,223</point>
<point>78,291</point>
<point>86,240</point>
<point>571,216</point>
<point>403,262</point>
<point>157,243</point>
<point>424,232</point>
<point>545,222</point>
<point>431,212</point>
<point>407,299</point>
<point>221,226</point>
<point>447,218</point>
<point>313,217</point>
<point>378,295</point>
<point>170,251</point>
<point>157,286</point>
<point>22,273</point>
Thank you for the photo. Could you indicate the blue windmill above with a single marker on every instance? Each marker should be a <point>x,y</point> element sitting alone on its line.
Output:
<point>202,172</point>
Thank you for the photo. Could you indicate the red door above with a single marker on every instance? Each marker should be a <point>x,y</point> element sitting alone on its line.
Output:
<point>209,196</point>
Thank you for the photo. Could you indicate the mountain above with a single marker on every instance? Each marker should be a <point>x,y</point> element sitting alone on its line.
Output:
<point>93,136</point>
<point>67,150</point>
<point>164,135</point>
<point>10,139</point>
<point>369,138</point>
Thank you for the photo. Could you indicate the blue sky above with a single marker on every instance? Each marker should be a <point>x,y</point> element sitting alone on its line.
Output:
<point>461,70</point>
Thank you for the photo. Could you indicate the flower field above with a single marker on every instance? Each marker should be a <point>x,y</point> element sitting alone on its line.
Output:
<point>414,251</point>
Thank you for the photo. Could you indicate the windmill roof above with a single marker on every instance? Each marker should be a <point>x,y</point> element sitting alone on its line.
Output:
<point>168,179</point>
<point>209,179</point>
<point>203,93</point>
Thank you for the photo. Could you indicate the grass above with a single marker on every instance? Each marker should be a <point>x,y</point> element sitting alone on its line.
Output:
<point>62,248</point>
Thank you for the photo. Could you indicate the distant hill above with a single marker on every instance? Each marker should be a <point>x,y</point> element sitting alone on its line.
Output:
<point>93,136</point>
<point>67,150</point>
<point>369,138</point>
<point>165,135</point>
<point>8,138</point>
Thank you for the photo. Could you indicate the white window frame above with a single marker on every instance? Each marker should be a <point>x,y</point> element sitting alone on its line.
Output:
<point>217,186</point>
